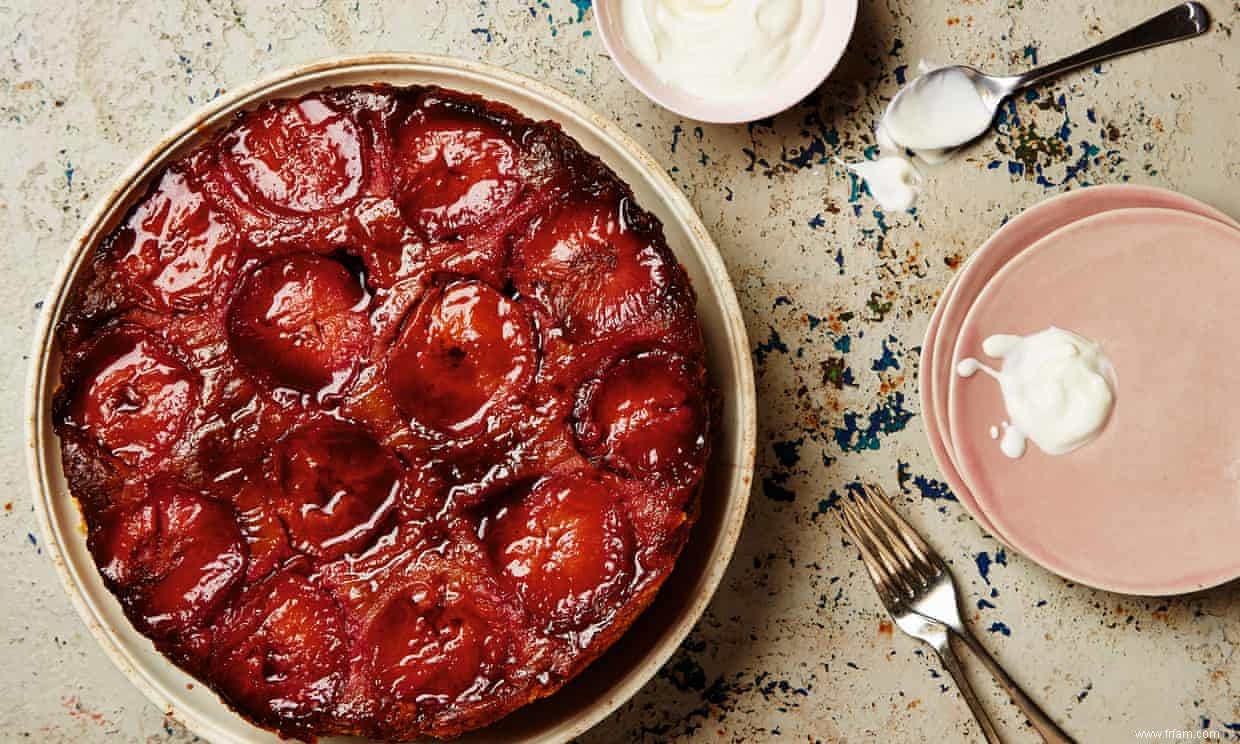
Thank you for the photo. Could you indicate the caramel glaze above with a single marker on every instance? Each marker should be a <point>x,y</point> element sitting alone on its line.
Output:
<point>386,410</point>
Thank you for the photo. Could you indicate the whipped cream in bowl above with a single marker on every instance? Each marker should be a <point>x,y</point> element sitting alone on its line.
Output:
<point>726,61</point>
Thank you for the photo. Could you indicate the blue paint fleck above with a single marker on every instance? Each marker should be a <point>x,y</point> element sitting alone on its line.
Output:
<point>788,452</point>
<point>861,433</point>
<point>773,343</point>
<point>807,155</point>
<point>984,562</point>
<point>983,604</point>
<point>888,360</point>
<point>69,174</point>
<point>998,627</point>
<point>933,489</point>
<point>983,566</point>
<point>677,130</point>
<point>901,74</point>
<point>824,505</point>
<point>482,32</point>
<point>817,221</point>
<point>1031,53</point>
<point>583,6</point>
<point>927,487</point>
<point>881,219</point>
<point>775,490</point>
<point>856,187</point>
<point>843,344</point>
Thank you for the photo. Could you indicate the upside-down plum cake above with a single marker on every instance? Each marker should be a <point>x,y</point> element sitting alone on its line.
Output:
<point>387,411</point>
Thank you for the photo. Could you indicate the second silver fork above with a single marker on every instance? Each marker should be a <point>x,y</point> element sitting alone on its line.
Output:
<point>916,588</point>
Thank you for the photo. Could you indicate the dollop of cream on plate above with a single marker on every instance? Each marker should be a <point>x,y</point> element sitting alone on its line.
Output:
<point>1058,389</point>
<point>720,49</point>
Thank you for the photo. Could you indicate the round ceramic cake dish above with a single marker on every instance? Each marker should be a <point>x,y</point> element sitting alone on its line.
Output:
<point>825,52</point>
<point>589,695</point>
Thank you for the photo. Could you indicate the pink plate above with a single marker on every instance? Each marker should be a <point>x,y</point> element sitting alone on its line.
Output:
<point>1153,505</point>
<point>817,63</point>
<point>1022,231</point>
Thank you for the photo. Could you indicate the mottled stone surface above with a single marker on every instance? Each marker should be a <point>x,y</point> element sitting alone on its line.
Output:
<point>836,294</point>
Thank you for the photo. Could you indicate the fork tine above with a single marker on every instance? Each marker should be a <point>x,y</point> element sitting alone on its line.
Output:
<point>877,573</point>
<point>871,534</point>
<point>909,568</point>
<point>888,592</point>
<point>911,538</point>
<point>848,519</point>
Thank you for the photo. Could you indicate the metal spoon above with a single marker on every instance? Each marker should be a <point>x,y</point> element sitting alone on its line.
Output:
<point>1181,22</point>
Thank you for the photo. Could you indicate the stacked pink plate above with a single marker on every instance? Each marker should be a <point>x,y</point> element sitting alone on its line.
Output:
<point>1152,506</point>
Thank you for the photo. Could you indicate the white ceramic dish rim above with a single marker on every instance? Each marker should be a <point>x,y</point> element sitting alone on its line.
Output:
<point>64,542</point>
<point>828,49</point>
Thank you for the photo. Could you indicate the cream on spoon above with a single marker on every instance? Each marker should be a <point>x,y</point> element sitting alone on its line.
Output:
<point>947,107</point>
<point>951,106</point>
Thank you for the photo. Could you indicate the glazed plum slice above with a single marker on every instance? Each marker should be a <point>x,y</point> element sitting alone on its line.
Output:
<point>280,652</point>
<point>565,549</point>
<point>266,537</point>
<point>645,416</point>
<point>300,322</point>
<point>454,174</point>
<point>303,156</point>
<point>131,395</point>
<point>445,634</point>
<point>464,351</point>
<point>174,249</point>
<point>339,486</point>
<point>590,270</point>
<point>175,556</point>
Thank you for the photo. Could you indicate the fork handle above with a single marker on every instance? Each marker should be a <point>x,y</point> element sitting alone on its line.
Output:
<point>952,665</point>
<point>1041,722</point>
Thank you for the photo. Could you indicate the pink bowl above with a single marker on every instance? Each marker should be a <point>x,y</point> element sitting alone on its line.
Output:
<point>818,62</point>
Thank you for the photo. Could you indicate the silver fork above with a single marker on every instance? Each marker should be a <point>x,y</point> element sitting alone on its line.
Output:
<point>916,588</point>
